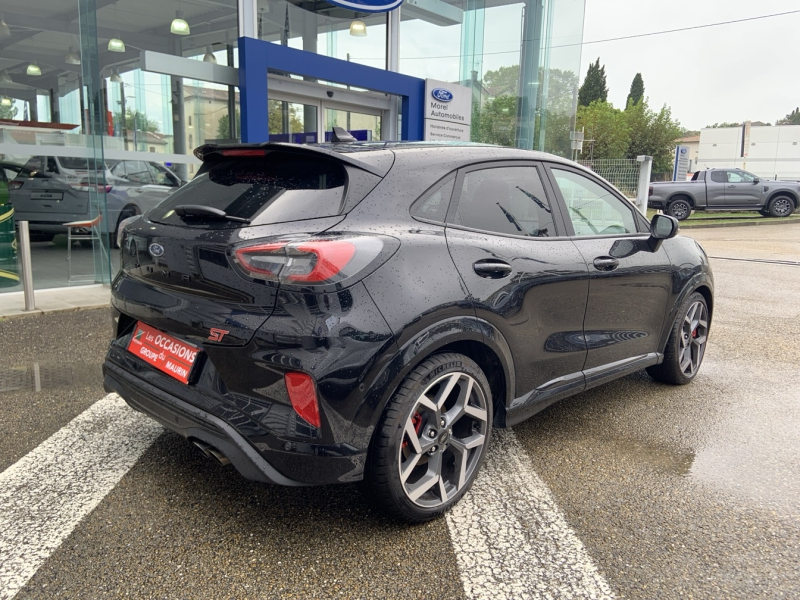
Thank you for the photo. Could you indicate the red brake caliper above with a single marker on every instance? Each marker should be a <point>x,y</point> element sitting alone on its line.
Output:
<point>416,421</point>
<point>694,333</point>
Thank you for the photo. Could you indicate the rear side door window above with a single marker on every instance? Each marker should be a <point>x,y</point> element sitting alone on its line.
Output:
<point>505,200</point>
<point>591,208</point>
<point>718,176</point>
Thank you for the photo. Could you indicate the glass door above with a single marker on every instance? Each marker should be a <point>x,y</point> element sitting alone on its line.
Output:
<point>293,122</point>
<point>363,124</point>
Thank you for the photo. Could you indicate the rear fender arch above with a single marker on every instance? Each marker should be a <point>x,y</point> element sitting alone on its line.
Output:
<point>443,336</point>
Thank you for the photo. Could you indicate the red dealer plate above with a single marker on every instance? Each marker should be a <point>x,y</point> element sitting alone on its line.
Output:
<point>166,353</point>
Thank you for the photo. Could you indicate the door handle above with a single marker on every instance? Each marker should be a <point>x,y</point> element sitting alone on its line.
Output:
<point>731,186</point>
<point>494,269</point>
<point>605,263</point>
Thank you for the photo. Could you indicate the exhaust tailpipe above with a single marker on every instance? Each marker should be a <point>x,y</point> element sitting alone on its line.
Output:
<point>210,451</point>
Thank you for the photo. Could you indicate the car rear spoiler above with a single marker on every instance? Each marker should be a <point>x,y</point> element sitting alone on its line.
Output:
<point>213,152</point>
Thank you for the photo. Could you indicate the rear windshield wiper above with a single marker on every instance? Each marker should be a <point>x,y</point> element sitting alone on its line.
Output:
<point>206,212</point>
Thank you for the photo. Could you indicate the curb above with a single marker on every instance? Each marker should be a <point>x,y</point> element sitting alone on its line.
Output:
<point>747,224</point>
<point>38,311</point>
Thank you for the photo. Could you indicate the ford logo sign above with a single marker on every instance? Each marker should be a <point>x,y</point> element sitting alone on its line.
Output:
<point>442,95</point>
<point>683,150</point>
<point>369,6</point>
<point>156,250</point>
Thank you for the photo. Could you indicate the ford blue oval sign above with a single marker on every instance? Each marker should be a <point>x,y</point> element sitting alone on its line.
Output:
<point>442,95</point>
<point>372,6</point>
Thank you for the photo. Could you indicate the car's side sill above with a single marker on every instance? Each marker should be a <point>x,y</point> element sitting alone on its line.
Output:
<point>605,373</point>
<point>556,389</point>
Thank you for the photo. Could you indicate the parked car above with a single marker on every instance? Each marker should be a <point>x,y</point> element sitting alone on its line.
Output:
<point>727,190</point>
<point>59,192</point>
<point>8,171</point>
<point>329,313</point>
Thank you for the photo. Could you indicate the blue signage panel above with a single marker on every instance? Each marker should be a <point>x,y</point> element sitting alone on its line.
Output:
<point>371,6</point>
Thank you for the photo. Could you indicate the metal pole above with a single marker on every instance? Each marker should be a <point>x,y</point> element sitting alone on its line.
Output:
<point>643,190</point>
<point>27,270</point>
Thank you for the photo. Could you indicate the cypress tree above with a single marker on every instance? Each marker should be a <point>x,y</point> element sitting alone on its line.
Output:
<point>594,86</point>
<point>637,91</point>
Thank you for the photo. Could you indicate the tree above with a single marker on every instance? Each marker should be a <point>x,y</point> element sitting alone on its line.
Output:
<point>653,134</point>
<point>637,91</point>
<point>793,118</point>
<point>720,125</point>
<point>594,86</point>
<point>498,122</point>
<point>8,112</point>
<point>137,120</point>
<point>503,81</point>
<point>224,126</point>
<point>606,130</point>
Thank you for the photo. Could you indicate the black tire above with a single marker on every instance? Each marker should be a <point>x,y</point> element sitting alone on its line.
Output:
<point>781,206</point>
<point>686,345</point>
<point>443,440</point>
<point>680,208</point>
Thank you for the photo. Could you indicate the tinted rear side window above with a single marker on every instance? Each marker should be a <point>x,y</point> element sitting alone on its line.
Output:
<point>271,189</point>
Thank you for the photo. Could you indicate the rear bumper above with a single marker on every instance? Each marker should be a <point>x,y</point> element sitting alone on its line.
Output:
<point>657,204</point>
<point>192,423</point>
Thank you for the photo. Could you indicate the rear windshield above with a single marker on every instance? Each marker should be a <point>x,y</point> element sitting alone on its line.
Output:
<point>272,189</point>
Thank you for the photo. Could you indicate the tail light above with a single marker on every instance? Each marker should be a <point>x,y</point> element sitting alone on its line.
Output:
<point>84,186</point>
<point>340,260</point>
<point>15,185</point>
<point>303,396</point>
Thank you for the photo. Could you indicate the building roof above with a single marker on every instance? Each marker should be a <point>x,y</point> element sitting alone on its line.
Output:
<point>689,139</point>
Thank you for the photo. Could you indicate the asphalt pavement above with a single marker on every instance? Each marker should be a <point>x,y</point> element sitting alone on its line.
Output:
<point>630,490</point>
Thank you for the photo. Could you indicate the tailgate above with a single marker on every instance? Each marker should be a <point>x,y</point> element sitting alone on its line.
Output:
<point>181,280</point>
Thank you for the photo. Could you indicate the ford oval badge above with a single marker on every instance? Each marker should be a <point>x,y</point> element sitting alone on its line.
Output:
<point>442,95</point>
<point>156,250</point>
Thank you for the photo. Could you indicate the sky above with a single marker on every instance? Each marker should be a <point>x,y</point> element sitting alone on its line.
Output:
<point>730,73</point>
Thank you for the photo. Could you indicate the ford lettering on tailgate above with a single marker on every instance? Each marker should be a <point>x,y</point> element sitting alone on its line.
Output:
<point>172,356</point>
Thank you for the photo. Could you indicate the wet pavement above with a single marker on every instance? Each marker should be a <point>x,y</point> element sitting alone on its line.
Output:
<point>690,492</point>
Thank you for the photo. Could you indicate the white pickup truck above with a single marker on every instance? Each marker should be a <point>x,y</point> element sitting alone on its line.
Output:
<point>725,189</point>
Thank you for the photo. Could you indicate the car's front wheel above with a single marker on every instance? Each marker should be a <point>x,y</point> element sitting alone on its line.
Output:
<point>432,439</point>
<point>781,206</point>
<point>686,345</point>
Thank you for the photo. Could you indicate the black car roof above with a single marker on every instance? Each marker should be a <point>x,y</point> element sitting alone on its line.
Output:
<point>379,157</point>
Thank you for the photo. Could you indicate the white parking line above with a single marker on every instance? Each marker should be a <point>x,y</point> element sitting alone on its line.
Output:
<point>510,539</point>
<point>45,494</point>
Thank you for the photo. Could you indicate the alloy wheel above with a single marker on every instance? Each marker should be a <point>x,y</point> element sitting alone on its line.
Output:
<point>694,334</point>
<point>443,440</point>
<point>782,207</point>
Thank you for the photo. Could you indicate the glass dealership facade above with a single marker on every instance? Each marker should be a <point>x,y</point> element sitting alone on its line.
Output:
<point>101,108</point>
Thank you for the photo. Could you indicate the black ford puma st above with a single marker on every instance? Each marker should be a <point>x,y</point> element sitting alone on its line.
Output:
<point>337,312</point>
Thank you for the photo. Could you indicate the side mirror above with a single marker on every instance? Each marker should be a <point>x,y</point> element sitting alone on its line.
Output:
<point>662,227</point>
<point>756,181</point>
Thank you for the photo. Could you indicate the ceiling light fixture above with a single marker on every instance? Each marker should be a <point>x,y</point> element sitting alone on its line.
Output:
<point>6,101</point>
<point>209,56</point>
<point>4,30</point>
<point>179,25</point>
<point>115,76</point>
<point>34,70</point>
<point>116,45</point>
<point>5,78</point>
<point>72,57</point>
<point>358,28</point>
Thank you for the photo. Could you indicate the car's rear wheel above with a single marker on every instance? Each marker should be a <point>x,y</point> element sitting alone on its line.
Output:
<point>781,206</point>
<point>686,345</point>
<point>680,209</point>
<point>431,440</point>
